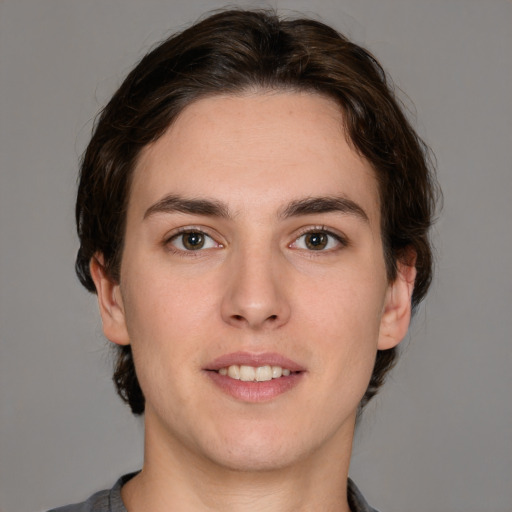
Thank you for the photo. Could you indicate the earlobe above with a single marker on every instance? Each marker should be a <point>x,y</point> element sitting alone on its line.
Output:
<point>397,308</point>
<point>110,302</point>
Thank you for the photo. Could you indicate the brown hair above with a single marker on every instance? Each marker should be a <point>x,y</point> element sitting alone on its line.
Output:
<point>231,52</point>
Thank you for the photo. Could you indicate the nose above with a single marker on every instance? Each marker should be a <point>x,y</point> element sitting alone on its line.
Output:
<point>255,295</point>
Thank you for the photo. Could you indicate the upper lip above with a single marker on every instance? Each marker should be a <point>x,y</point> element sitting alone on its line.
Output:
<point>256,360</point>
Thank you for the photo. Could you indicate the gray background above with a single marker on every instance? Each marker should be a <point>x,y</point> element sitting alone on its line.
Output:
<point>439,437</point>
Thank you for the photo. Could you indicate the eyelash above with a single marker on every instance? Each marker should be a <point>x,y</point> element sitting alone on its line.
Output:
<point>190,252</point>
<point>340,239</point>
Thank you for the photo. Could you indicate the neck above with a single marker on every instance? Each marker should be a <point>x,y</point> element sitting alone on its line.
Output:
<point>175,478</point>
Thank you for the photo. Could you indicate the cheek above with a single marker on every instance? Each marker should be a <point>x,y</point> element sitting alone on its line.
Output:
<point>159,303</point>
<point>167,320</point>
<point>348,303</point>
<point>164,349</point>
<point>343,316</point>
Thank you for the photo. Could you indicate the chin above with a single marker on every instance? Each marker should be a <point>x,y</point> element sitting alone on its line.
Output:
<point>251,458</point>
<point>258,448</point>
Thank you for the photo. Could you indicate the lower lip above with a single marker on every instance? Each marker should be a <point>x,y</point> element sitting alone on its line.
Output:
<point>255,391</point>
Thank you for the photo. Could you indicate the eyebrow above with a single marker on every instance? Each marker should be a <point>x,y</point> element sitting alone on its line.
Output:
<point>312,205</point>
<point>174,203</point>
<point>297,208</point>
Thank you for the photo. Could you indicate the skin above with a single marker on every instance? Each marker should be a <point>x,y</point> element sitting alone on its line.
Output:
<point>255,286</point>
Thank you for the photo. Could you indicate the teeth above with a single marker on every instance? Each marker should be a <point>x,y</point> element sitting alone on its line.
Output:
<point>277,371</point>
<point>252,374</point>
<point>263,373</point>
<point>234,371</point>
<point>247,373</point>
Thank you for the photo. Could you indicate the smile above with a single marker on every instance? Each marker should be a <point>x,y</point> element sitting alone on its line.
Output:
<point>253,378</point>
<point>254,374</point>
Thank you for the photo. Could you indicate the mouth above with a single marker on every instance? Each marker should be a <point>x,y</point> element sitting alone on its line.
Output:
<point>254,377</point>
<point>247,373</point>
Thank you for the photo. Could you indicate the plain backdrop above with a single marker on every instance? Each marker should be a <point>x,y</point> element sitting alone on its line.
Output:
<point>439,436</point>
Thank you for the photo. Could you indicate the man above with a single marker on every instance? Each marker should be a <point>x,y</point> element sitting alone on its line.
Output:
<point>253,213</point>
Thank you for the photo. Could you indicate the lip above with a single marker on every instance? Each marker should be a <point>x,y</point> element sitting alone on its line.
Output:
<point>254,392</point>
<point>250,359</point>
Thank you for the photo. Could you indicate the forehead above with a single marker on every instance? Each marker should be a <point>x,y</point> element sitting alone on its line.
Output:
<point>255,149</point>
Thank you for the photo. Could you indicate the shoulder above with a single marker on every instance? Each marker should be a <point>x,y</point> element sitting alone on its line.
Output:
<point>108,500</point>
<point>98,502</point>
<point>356,500</point>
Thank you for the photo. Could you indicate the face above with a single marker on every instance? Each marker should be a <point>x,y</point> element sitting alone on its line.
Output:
<point>253,287</point>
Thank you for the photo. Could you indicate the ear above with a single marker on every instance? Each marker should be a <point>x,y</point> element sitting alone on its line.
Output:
<point>396,315</point>
<point>110,302</point>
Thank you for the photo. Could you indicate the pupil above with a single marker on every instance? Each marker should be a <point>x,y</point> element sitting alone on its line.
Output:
<point>316,241</point>
<point>193,240</point>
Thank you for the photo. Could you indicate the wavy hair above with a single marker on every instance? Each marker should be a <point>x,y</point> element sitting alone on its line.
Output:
<point>231,52</point>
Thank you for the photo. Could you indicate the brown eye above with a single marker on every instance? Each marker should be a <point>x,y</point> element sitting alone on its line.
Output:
<point>193,241</point>
<point>316,241</point>
<point>188,241</point>
<point>319,241</point>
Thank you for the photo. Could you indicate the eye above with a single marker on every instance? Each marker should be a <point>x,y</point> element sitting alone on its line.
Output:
<point>193,240</point>
<point>318,240</point>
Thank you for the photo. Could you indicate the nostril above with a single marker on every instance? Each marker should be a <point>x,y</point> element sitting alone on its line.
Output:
<point>239,318</point>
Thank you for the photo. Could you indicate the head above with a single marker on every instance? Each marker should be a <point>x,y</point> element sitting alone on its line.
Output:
<point>234,53</point>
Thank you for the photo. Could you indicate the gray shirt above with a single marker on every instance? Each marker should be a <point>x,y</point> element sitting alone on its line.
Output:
<point>110,500</point>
